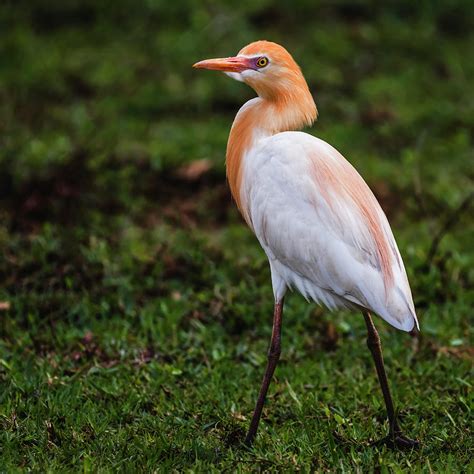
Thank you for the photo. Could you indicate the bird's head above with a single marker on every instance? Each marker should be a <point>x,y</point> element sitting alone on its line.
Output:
<point>266,67</point>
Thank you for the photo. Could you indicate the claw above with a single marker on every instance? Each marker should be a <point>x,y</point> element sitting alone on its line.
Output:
<point>402,442</point>
<point>398,441</point>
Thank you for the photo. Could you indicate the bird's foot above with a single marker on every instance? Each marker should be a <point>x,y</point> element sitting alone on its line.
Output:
<point>398,441</point>
<point>249,439</point>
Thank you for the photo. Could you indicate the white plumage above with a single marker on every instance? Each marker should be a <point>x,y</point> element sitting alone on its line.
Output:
<point>324,251</point>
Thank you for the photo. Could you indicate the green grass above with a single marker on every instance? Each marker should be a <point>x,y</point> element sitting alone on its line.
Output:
<point>136,306</point>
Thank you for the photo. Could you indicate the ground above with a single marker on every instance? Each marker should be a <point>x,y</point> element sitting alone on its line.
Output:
<point>136,306</point>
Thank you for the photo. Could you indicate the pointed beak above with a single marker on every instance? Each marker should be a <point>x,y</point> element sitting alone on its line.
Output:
<point>235,64</point>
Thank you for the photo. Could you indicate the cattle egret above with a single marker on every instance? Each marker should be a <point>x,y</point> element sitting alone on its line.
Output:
<point>322,229</point>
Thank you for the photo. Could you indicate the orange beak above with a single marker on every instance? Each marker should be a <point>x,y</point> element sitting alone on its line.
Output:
<point>235,64</point>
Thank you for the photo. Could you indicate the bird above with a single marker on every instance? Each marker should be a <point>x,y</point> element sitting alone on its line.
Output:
<point>319,224</point>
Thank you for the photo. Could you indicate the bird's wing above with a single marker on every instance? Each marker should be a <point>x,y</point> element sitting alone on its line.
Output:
<point>322,227</point>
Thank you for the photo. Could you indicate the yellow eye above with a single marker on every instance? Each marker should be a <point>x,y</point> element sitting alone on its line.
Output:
<point>262,62</point>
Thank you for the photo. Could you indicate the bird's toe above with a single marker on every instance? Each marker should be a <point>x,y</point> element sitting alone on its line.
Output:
<point>402,442</point>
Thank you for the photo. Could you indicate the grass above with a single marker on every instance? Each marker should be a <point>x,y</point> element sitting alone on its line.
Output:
<point>136,306</point>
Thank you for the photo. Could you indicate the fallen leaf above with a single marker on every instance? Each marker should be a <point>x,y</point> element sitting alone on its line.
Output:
<point>194,170</point>
<point>238,416</point>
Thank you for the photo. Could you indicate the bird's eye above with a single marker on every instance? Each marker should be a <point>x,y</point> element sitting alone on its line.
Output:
<point>262,62</point>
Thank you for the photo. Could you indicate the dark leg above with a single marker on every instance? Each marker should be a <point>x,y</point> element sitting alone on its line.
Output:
<point>273,356</point>
<point>396,436</point>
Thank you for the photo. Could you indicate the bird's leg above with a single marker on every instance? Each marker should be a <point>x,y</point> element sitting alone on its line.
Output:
<point>395,437</point>
<point>273,356</point>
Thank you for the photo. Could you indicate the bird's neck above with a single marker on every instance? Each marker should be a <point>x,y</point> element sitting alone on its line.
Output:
<point>260,118</point>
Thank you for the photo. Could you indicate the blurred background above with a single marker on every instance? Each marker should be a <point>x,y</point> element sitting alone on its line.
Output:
<point>130,287</point>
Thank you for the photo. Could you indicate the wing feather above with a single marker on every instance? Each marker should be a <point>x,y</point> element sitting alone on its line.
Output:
<point>322,228</point>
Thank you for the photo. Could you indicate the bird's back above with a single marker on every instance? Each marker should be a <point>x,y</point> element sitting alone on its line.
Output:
<point>322,228</point>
